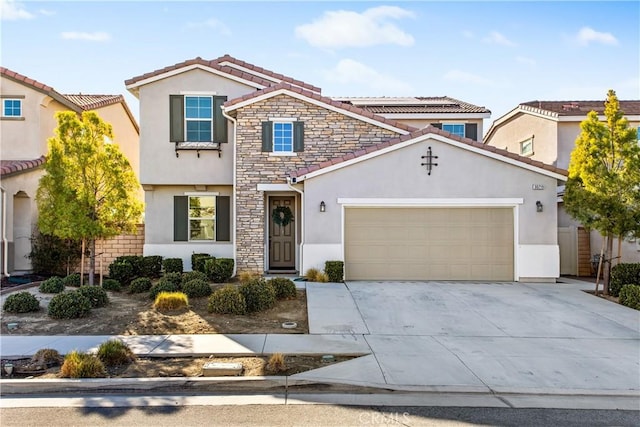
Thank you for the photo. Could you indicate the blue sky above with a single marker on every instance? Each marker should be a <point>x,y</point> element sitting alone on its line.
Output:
<point>494,54</point>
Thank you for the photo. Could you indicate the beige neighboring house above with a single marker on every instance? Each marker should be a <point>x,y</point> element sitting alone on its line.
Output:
<point>27,121</point>
<point>245,163</point>
<point>546,131</point>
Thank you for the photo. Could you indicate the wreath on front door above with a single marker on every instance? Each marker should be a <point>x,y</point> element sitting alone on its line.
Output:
<point>282,215</point>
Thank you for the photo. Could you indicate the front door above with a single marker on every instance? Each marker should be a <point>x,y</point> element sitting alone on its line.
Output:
<point>281,233</point>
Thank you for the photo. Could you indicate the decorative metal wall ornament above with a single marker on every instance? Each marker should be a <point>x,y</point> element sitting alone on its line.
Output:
<point>429,163</point>
<point>282,216</point>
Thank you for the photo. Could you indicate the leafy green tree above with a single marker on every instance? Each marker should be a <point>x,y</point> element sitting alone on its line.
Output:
<point>603,188</point>
<point>88,191</point>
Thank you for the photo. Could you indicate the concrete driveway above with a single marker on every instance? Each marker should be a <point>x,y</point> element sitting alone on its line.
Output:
<point>492,337</point>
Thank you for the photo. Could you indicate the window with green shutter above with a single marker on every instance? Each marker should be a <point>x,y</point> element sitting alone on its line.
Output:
<point>197,119</point>
<point>282,136</point>
<point>201,218</point>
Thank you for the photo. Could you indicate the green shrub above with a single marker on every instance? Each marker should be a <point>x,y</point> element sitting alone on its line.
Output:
<point>136,262</point>
<point>78,364</point>
<point>140,285</point>
<point>152,266</point>
<point>198,260</point>
<point>163,285</point>
<point>114,352</point>
<point>196,288</point>
<point>22,302</point>
<point>630,296</point>
<point>52,285</point>
<point>258,295</point>
<point>227,300</point>
<point>122,272</point>
<point>95,294</point>
<point>219,270</point>
<point>111,285</point>
<point>334,270</point>
<point>69,305</point>
<point>174,277</point>
<point>172,265</point>
<point>171,301</point>
<point>193,275</point>
<point>623,274</point>
<point>47,356</point>
<point>283,287</point>
<point>55,256</point>
<point>72,280</point>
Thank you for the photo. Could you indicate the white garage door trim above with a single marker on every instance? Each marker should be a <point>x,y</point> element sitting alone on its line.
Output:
<point>453,202</point>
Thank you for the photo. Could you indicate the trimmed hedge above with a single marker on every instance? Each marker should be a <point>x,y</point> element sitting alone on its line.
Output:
<point>198,260</point>
<point>53,285</point>
<point>258,295</point>
<point>111,285</point>
<point>219,270</point>
<point>283,287</point>
<point>152,266</point>
<point>140,285</point>
<point>95,294</point>
<point>193,275</point>
<point>173,277</point>
<point>163,285</point>
<point>630,296</point>
<point>172,265</point>
<point>136,262</point>
<point>69,305</point>
<point>623,274</point>
<point>21,302</point>
<point>72,280</point>
<point>196,288</point>
<point>334,270</point>
<point>122,272</point>
<point>227,300</point>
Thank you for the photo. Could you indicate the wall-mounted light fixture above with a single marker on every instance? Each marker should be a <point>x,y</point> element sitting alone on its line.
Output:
<point>539,206</point>
<point>323,206</point>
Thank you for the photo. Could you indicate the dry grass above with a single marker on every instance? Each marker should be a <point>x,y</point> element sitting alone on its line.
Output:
<point>171,301</point>
<point>82,365</point>
<point>276,363</point>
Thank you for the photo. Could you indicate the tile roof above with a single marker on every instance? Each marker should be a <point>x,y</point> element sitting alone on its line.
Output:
<point>579,108</point>
<point>13,167</point>
<point>429,129</point>
<point>24,79</point>
<point>413,105</point>
<point>323,99</point>
<point>217,64</point>
<point>91,102</point>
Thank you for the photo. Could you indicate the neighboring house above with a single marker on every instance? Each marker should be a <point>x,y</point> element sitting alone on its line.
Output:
<point>245,163</point>
<point>547,131</point>
<point>27,121</point>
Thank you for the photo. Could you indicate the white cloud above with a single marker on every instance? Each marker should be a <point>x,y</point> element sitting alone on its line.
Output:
<point>97,36</point>
<point>495,37</point>
<point>465,77</point>
<point>213,24</point>
<point>350,72</point>
<point>342,28</point>
<point>13,11</point>
<point>525,60</point>
<point>587,35</point>
<point>46,12</point>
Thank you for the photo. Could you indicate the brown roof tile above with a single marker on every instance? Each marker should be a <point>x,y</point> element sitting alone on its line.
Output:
<point>581,108</point>
<point>26,80</point>
<point>13,167</point>
<point>91,102</point>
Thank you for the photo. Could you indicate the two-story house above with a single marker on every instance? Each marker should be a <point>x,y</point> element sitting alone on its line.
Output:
<point>27,121</point>
<point>547,131</point>
<point>238,161</point>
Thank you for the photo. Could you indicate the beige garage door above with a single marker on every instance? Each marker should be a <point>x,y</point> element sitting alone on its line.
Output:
<point>429,244</point>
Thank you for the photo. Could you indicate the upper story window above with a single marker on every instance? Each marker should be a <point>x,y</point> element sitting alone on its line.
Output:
<point>283,136</point>
<point>454,128</point>
<point>198,118</point>
<point>463,130</point>
<point>526,147</point>
<point>11,107</point>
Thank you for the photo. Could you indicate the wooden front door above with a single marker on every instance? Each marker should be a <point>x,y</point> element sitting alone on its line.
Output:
<point>281,236</point>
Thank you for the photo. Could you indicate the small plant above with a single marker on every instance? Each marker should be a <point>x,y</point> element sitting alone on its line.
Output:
<point>276,363</point>
<point>227,300</point>
<point>53,285</point>
<point>95,294</point>
<point>198,260</point>
<point>172,265</point>
<point>72,280</point>
<point>219,270</point>
<point>258,295</point>
<point>193,275</point>
<point>163,285</point>
<point>140,285</point>
<point>174,277</point>
<point>111,285</point>
<point>69,305</point>
<point>47,356</point>
<point>312,274</point>
<point>171,301</point>
<point>78,364</point>
<point>624,274</point>
<point>122,272</point>
<point>245,276</point>
<point>152,266</point>
<point>630,296</point>
<point>21,302</point>
<point>334,271</point>
<point>196,288</point>
<point>284,288</point>
<point>114,352</point>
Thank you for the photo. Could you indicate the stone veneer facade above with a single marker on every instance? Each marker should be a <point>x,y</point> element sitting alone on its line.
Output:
<point>327,135</point>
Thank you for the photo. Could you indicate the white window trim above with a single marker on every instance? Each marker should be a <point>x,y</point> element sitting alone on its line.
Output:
<point>197,93</point>
<point>521,144</point>
<point>189,217</point>
<point>21,107</point>
<point>281,120</point>
<point>186,120</point>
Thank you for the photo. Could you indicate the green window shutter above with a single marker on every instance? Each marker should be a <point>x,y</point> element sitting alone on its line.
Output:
<point>298,136</point>
<point>223,218</point>
<point>219,121</point>
<point>437,125</point>
<point>267,136</point>
<point>180,218</point>
<point>471,131</point>
<point>176,120</point>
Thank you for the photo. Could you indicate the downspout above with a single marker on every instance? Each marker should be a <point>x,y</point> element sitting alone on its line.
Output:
<point>5,243</point>
<point>301,220</point>
<point>233,204</point>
